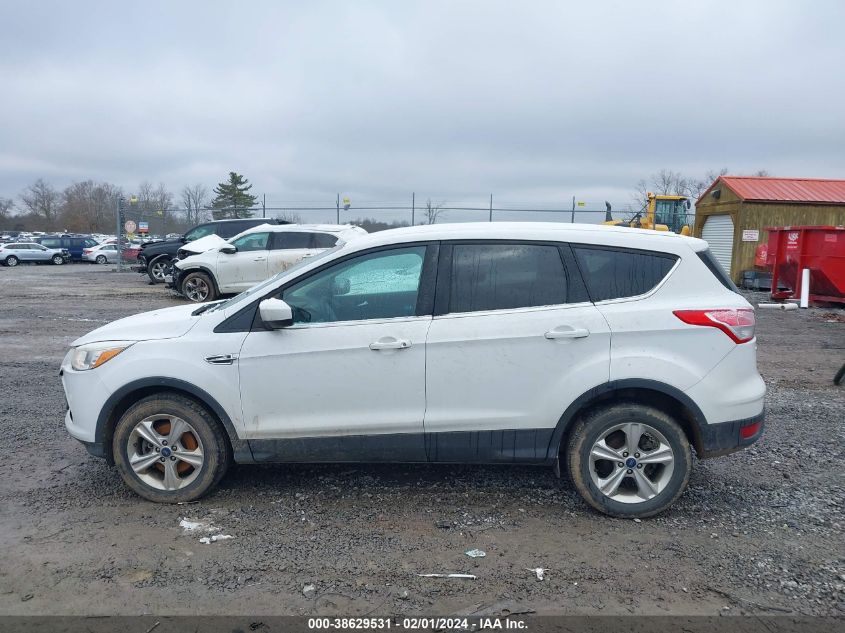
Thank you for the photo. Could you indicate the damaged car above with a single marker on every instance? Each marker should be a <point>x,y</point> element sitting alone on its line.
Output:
<point>212,267</point>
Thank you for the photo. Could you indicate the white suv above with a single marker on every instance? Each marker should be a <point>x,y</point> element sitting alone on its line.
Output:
<point>252,256</point>
<point>611,350</point>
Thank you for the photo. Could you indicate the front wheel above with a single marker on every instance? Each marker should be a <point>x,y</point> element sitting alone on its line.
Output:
<point>58,260</point>
<point>197,287</point>
<point>169,449</point>
<point>629,460</point>
<point>157,269</point>
<point>11,260</point>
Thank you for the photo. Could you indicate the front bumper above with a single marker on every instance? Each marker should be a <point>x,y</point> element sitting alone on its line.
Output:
<point>728,437</point>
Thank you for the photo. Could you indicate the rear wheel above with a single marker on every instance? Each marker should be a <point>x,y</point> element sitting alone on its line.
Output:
<point>169,449</point>
<point>157,269</point>
<point>11,260</point>
<point>629,460</point>
<point>58,260</point>
<point>197,287</point>
<point>102,259</point>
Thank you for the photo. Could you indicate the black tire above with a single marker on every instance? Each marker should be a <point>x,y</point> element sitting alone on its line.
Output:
<point>590,428</point>
<point>840,376</point>
<point>156,268</point>
<point>11,260</point>
<point>217,452</point>
<point>198,287</point>
<point>58,260</point>
<point>102,259</point>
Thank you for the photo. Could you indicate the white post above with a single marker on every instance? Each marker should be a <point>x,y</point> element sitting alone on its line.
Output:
<point>805,288</point>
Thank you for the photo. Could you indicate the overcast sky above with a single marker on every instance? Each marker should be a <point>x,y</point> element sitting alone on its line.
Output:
<point>532,101</point>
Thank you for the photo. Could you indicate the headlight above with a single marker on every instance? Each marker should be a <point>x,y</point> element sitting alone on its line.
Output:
<point>95,354</point>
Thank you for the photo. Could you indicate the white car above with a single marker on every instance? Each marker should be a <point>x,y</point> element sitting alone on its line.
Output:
<point>610,351</point>
<point>100,254</point>
<point>17,252</point>
<point>222,267</point>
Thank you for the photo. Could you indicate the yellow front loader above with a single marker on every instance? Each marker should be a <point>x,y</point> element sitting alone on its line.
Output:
<point>662,213</point>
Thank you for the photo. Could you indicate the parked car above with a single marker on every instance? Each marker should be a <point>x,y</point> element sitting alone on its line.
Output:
<point>74,245</point>
<point>252,256</point>
<point>607,352</point>
<point>100,254</point>
<point>20,252</point>
<point>155,257</point>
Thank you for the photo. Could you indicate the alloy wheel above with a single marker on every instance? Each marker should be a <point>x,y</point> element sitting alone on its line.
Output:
<point>57,260</point>
<point>631,462</point>
<point>11,261</point>
<point>196,289</point>
<point>157,270</point>
<point>165,452</point>
<point>101,259</point>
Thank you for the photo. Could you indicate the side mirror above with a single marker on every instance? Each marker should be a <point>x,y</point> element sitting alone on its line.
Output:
<point>275,314</point>
<point>340,286</point>
<point>229,249</point>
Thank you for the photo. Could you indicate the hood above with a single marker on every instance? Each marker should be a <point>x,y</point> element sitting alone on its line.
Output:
<point>158,242</point>
<point>203,244</point>
<point>147,326</point>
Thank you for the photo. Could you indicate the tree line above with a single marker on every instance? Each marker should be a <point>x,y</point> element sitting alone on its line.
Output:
<point>90,207</point>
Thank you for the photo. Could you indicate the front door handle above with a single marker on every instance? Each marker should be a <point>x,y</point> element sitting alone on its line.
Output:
<point>567,332</point>
<point>260,259</point>
<point>388,342</point>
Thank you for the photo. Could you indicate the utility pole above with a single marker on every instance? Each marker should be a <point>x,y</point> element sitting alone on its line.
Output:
<point>118,221</point>
<point>338,209</point>
<point>491,207</point>
<point>264,206</point>
<point>572,220</point>
<point>413,208</point>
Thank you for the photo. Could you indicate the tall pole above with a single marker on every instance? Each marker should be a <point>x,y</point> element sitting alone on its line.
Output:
<point>413,208</point>
<point>117,234</point>
<point>338,209</point>
<point>491,207</point>
<point>264,206</point>
<point>572,220</point>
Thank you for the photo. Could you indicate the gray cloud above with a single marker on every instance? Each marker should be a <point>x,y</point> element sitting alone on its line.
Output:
<point>533,101</point>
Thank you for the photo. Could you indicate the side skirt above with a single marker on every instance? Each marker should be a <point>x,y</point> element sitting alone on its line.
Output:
<point>523,446</point>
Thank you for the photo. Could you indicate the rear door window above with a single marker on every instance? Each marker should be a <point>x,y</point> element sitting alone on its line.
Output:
<point>505,276</point>
<point>613,273</point>
<point>289,240</point>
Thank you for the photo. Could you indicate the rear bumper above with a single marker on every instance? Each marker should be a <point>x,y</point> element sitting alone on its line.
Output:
<point>727,437</point>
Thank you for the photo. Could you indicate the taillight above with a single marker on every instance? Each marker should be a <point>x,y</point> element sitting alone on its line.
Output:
<point>736,323</point>
<point>86,250</point>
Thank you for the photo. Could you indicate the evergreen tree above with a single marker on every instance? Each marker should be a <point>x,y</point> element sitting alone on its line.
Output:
<point>232,198</point>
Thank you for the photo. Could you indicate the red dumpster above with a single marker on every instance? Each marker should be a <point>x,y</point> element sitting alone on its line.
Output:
<point>819,248</point>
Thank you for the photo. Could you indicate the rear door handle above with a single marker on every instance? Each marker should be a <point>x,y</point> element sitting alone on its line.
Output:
<point>567,332</point>
<point>388,342</point>
<point>259,259</point>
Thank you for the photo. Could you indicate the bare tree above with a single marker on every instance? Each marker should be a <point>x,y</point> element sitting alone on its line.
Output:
<point>89,206</point>
<point>6,207</point>
<point>431,212</point>
<point>290,216</point>
<point>42,201</point>
<point>761,173</point>
<point>194,200</point>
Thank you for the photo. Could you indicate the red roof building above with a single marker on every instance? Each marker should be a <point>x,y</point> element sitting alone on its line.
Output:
<point>734,211</point>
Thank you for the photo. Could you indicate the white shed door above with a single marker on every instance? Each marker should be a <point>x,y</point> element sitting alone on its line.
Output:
<point>718,232</point>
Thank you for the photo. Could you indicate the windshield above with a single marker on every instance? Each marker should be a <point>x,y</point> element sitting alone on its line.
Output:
<point>257,289</point>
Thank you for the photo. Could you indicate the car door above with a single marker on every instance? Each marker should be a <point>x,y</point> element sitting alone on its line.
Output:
<point>110,251</point>
<point>245,267</point>
<point>514,341</point>
<point>287,248</point>
<point>30,252</point>
<point>347,380</point>
<point>40,253</point>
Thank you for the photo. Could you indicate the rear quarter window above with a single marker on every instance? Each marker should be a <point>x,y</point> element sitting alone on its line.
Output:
<point>613,273</point>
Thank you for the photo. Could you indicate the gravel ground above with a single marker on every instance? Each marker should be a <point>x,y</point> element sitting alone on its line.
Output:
<point>759,531</point>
